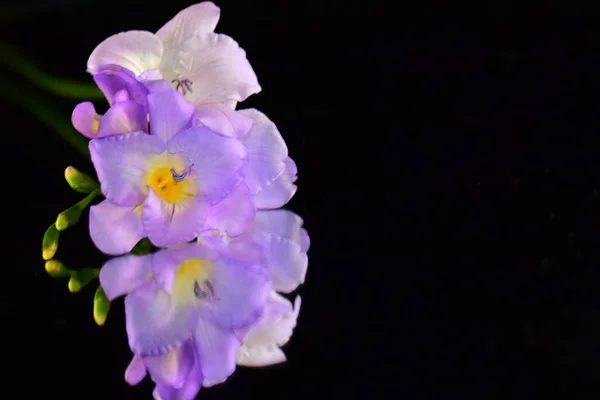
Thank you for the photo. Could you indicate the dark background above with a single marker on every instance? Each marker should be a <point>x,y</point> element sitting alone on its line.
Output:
<point>448,177</point>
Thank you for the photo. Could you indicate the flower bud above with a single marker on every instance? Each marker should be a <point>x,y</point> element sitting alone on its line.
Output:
<point>80,181</point>
<point>101,306</point>
<point>80,278</point>
<point>56,269</point>
<point>50,242</point>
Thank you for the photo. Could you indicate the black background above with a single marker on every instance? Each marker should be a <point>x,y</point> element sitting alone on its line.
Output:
<point>448,177</point>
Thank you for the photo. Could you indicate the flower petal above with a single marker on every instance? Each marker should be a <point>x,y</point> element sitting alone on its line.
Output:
<point>123,117</point>
<point>221,119</point>
<point>169,224</point>
<point>121,162</point>
<point>115,229</point>
<point>188,391</point>
<point>137,51</point>
<point>155,322</point>
<point>113,79</point>
<point>234,214</point>
<point>285,242</point>
<point>172,369</point>
<point>170,112</point>
<point>123,275</point>
<point>85,119</point>
<point>280,191</point>
<point>198,18</point>
<point>217,349</point>
<point>218,69</point>
<point>266,151</point>
<point>136,371</point>
<point>276,307</point>
<point>217,160</point>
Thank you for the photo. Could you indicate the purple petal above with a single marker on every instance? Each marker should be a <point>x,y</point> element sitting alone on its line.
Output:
<point>217,160</point>
<point>170,224</point>
<point>170,113</point>
<point>136,371</point>
<point>217,350</point>
<point>111,79</point>
<point>85,119</point>
<point>285,243</point>
<point>234,214</point>
<point>280,191</point>
<point>157,85</point>
<point>156,323</point>
<point>115,229</point>
<point>173,368</point>
<point>123,117</point>
<point>120,96</point>
<point>221,119</point>
<point>123,275</point>
<point>121,164</point>
<point>188,391</point>
<point>266,151</point>
<point>276,307</point>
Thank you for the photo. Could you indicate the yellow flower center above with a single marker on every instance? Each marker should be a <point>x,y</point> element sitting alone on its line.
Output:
<point>192,282</point>
<point>168,177</point>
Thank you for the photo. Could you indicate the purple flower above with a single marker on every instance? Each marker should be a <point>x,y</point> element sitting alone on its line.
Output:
<point>182,308</point>
<point>164,185</point>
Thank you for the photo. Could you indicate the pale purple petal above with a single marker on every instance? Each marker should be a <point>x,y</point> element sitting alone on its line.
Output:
<point>123,117</point>
<point>285,242</point>
<point>120,96</point>
<point>169,224</point>
<point>221,119</point>
<point>115,229</point>
<point>85,119</point>
<point>123,275</point>
<point>188,391</point>
<point>234,214</point>
<point>156,323</point>
<point>280,191</point>
<point>275,308</point>
<point>138,51</point>
<point>217,349</point>
<point>121,164</point>
<point>113,79</point>
<point>172,369</point>
<point>198,18</point>
<point>217,160</point>
<point>218,69</point>
<point>266,151</point>
<point>170,113</point>
<point>136,371</point>
<point>157,85</point>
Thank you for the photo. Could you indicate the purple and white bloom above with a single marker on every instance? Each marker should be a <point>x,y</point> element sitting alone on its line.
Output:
<point>182,309</point>
<point>164,185</point>
<point>208,68</point>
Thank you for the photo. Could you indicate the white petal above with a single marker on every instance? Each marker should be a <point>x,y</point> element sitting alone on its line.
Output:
<point>198,18</point>
<point>138,51</point>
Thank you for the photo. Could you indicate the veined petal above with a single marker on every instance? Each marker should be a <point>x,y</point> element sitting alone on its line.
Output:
<point>218,69</point>
<point>266,151</point>
<point>217,349</point>
<point>170,113</point>
<point>234,214</point>
<point>85,119</point>
<point>136,371</point>
<point>155,322</point>
<point>217,160</point>
<point>188,391</point>
<point>121,164</point>
<point>138,51</point>
<point>122,275</point>
<point>113,79</point>
<point>123,117</point>
<point>172,369</point>
<point>169,224</point>
<point>285,242</point>
<point>198,18</point>
<point>280,191</point>
<point>221,119</point>
<point>115,229</point>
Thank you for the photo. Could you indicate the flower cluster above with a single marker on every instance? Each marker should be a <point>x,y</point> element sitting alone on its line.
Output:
<point>204,183</point>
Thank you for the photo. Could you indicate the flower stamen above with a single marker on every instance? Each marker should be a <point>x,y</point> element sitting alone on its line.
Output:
<point>185,85</point>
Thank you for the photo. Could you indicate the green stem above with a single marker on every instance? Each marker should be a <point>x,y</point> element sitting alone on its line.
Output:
<point>60,87</point>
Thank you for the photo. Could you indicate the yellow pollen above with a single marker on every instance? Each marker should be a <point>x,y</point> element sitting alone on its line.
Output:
<point>95,124</point>
<point>161,180</point>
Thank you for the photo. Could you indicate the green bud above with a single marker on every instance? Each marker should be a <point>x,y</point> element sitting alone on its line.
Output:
<point>50,242</point>
<point>142,247</point>
<point>71,215</point>
<point>57,269</point>
<point>80,278</point>
<point>80,181</point>
<point>101,306</point>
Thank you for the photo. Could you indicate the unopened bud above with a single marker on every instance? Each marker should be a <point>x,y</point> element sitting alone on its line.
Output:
<point>80,181</point>
<point>71,215</point>
<point>101,306</point>
<point>56,269</point>
<point>50,242</point>
<point>80,278</point>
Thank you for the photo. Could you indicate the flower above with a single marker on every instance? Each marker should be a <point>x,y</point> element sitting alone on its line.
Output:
<point>204,66</point>
<point>163,185</point>
<point>182,306</point>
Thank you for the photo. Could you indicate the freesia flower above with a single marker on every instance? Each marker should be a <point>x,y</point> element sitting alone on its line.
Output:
<point>164,185</point>
<point>206,67</point>
<point>182,308</point>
